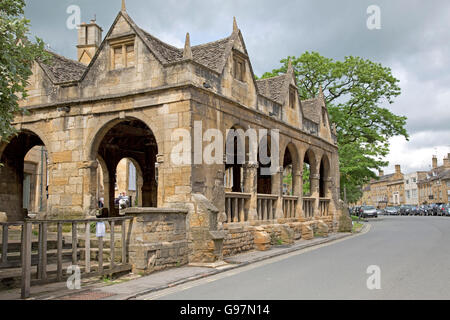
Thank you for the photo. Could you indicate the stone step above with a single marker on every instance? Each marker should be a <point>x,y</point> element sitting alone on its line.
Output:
<point>15,261</point>
<point>94,242</point>
<point>106,254</point>
<point>11,278</point>
<point>15,245</point>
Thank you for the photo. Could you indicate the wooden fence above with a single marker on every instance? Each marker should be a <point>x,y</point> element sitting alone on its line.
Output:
<point>87,267</point>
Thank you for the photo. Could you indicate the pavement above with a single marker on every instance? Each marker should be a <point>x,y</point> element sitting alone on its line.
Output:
<point>134,286</point>
<point>404,258</point>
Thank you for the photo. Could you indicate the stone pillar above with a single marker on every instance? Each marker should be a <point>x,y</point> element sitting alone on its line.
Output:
<point>315,178</point>
<point>90,187</point>
<point>297,177</point>
<point>277,189</point>
<point>250,186</point>
<point>160,178</point>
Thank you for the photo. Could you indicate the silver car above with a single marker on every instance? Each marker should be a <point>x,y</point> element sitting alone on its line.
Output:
<point>369,212</point>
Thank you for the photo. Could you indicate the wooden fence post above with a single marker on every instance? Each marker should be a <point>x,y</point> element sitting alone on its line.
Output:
<point>26,259</point>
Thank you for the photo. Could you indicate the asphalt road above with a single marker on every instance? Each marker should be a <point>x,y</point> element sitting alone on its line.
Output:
<point>412,253</point>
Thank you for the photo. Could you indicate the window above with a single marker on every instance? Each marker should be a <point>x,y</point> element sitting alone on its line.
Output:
<point>130,55</point>
<point>292,95</point>
<point>239,68</point>
<point>324,117</point>
<point>123,55</point>
<point>118,59</point>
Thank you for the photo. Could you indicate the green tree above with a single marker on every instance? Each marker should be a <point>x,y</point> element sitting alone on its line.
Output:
<point>355,91</point>
<point>16,60</point>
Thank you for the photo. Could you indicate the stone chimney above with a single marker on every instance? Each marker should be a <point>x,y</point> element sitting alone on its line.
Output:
<point>447,161</point>
<point>89,40</point>
<point>380,173</point>
<point>398,169</point>
<point>434,162</point>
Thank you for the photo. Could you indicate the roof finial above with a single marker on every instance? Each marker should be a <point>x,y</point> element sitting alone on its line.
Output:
<point>290,68</point>
<point>124,8</point>
<point>321,95</point>
<point>235,26</point>
<point>187,53</point>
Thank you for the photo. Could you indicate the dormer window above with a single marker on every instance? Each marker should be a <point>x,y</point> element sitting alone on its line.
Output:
<point>123,56</point>
<point>122,52</point>
<point>324,117</point>
<point>292,97</point>
<point>239,67</point>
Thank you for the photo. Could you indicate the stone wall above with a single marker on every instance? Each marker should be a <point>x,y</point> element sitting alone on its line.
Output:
<point>157,239</point>
<point>238,238</point>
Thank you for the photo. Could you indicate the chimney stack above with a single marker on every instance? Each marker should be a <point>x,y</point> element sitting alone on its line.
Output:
<point>380,173</point>
<point>89,40</point>
<point>447,161</point>
<point>434,162</point>
<point>398,169</point>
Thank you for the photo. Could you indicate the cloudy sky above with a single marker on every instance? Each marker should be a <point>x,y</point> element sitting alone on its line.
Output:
<point>414,41</point>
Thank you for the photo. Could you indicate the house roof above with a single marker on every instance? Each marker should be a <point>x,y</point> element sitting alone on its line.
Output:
<point>61,69</point>
<point>311,109</point>
<point>272,88</point>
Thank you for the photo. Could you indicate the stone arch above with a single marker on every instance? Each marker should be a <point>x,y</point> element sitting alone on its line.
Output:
<point>128,138</point>
<point>264,179</point>
<point>94,139</point>
<point>12,172</point>
<point>291,165</point>
<point>309,171</point>
<point>236,156</point>
<point>324,172</point>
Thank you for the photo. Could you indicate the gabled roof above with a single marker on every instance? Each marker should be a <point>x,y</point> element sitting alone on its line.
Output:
<point>211,55</point>
<point>312,109</point>
<point>61,70</point>
<point>273,88</point>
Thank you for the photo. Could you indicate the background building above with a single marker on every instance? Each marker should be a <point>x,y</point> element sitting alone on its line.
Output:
<point>434,186</point>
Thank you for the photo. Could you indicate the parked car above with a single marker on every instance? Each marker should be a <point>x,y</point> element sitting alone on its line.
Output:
<point>368,212</point>
<point>407,210</point>
<point>381,212</point>
<point>356,211</point>
<point>423,210</point>
<point>433,209</point>
<point>391,211</point>
<point>445,209</point>
<point>415,211</point>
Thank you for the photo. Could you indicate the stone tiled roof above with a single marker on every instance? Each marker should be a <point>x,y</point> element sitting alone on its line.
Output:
<point>311,109</point>
<point>166,51</point>
<point>211,55</point>
<point>61,69</point>
<point>272,88</point>
<point>441,173</point>
<point>386,177</point>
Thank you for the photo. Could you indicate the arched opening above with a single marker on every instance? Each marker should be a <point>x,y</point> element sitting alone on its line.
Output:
<point>236,150</point>
<point>264,168</point>
<point>129,182</point>
<point>24,176</point>
<point>308,171</point>
<point>290,168</point>
<point>324,176</point>
<point>127,145</point>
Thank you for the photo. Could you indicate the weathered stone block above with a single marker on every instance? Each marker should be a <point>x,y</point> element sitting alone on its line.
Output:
<point>261,240</point>
<point>307,231</point>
